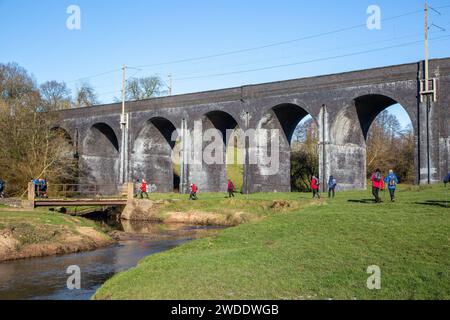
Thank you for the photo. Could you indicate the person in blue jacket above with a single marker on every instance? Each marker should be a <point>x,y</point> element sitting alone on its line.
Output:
<point>391,181</point>
<point>331,186</point>
<point>447,179</point>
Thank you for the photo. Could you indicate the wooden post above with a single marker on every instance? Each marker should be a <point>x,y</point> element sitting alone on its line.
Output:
<point>31,191</point>
<point>130,191</point>
<point>29,203</point>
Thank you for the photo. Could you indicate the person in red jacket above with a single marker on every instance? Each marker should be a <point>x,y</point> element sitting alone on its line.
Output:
<point>230,188</point>
<point>193,193</point>
<point>315,187</point>
<point>143,189</point>
<point>377,185</point>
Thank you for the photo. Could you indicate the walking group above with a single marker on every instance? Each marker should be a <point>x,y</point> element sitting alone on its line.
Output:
<point>315,184</point>
<point>231,189</point>
<point>378,184</point>
<point>40,187</point>
<point>377,180</point>
<point>144,189</point>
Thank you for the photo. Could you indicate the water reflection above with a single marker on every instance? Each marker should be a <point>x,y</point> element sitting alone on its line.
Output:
<point>45,278</point>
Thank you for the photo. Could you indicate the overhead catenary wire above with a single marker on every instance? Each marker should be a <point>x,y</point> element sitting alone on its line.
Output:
<point>329,50</point>
<point>308,61</point>
<point>340,30</point>
<point>275,44</point>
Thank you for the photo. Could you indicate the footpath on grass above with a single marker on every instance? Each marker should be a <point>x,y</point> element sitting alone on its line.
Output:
<point>310,250</point>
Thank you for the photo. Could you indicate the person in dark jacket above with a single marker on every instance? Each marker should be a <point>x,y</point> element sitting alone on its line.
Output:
<point>36,187</point>
<point>447,179</point>
<point>392,181</point>
<point>332,183</point>
<point>377,185</point>
<point>2,188</point>
<point>230,188</point>
<point>315,187</point>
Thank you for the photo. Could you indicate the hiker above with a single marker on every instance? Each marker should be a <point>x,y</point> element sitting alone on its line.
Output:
<point>2,188</point>
<point>43,188</point>
<point>331,187</point>
<point>136,188</point>
<point>447,179</point>
<point>392,182</point>
<point>193,192</point>
<point>315,187</point>
<point>230,188</point>
<point>377,185</point>
<point>36,187</point>
<point>143,189</point>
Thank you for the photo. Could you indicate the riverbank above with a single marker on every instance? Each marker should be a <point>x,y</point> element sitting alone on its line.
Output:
<point>310,252</point>
<point>36,234</point>
<point>213,209</point>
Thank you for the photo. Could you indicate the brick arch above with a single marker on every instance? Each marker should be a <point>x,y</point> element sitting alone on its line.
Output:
<point>100,156</point>
<point>348,135</point>
<point>151,156</point>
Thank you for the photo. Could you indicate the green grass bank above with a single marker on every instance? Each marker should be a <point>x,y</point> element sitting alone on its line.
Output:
<point>40,233</point>
<point>314,251</point>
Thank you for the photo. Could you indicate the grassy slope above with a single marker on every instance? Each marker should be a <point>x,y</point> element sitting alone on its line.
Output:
<point>313,253</point>
<point>40,226</point>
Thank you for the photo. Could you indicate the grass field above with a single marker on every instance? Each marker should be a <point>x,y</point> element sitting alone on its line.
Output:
<point>314,252</point>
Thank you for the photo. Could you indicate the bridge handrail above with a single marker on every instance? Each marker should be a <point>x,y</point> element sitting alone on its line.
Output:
<point>80,190</point>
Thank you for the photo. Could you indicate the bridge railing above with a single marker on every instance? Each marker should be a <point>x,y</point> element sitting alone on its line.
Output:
<point>80,191</point>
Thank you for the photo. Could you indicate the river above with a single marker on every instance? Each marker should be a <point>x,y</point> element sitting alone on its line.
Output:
<point>46,278</point>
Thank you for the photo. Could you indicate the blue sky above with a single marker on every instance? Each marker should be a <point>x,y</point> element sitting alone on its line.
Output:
<point>138,32</point>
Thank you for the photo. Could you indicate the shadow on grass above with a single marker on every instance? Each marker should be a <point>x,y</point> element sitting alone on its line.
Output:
<point>365,201</point>
<point>435,203</point>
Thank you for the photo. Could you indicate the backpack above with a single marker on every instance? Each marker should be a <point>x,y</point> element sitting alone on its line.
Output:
<point>392,182</point>
<point>333,182</point>
<point>377,176</point>
<point>447,178</point>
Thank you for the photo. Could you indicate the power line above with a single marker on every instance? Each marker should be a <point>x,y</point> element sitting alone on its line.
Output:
<point>275,43</point>
<point>95,75</point>
<point>254,48</point>
<point>139,68</point>
<point>333,49</point>
<point>307,61</point>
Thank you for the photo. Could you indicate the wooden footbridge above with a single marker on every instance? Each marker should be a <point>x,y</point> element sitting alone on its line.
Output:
<point>68,195</point>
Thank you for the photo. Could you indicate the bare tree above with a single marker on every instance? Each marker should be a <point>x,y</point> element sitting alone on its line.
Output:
<point>85,96</point>
<point>304,155</point>
<point>17,87</point>
<point>29,147</point>
<point>55,95</point>
<point>145,88</point>
<point>390,147</point>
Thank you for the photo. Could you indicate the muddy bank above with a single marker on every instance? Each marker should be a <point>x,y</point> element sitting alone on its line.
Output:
<point>23,241</point>
<point>156,211</point>
<point>150,231</point>
<point>228,215</point>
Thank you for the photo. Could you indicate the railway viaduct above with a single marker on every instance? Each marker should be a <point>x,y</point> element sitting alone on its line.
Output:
<point>342,105</point>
